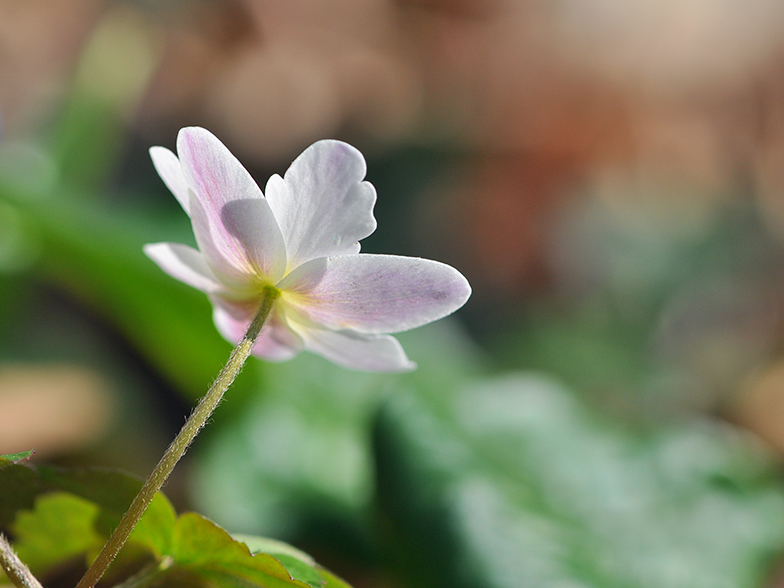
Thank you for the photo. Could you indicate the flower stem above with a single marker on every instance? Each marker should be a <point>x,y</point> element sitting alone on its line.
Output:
<point>17,572</point>
<point>175,451</point>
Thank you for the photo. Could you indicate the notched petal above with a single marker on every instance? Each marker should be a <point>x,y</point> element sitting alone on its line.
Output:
<point>322,205</point>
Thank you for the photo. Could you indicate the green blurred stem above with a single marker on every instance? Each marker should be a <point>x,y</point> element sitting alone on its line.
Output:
<point>17,572</point>
<point>175,451</point>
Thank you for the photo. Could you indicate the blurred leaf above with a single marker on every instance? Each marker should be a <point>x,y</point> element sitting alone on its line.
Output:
<point>94,252</point>
<point>18,247</point>
<point>19,485</point>
<point>517,485</point>
<point>649,311</point>
<point>111,78</point>
<point>97,257</point>
<point>299,451</point>
<point>591,348</point>
<point>299,455</point>
<point>102,263</point>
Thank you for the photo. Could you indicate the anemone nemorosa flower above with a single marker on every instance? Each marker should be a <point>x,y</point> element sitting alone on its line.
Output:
<point>302,238</point>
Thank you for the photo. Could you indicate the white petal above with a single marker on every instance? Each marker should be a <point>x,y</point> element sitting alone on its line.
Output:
<point>185,264</point>
<point>276,342</point>
<point>224,254</point>
<point>218,181</point>
<point>253,226</point>
<point>375,293</point>
<point>322,206</point>
<point>168,167</point>
<point>212,172</point>
<point>356,351</point>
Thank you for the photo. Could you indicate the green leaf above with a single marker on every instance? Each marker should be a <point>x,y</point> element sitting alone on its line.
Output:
<point>203,554</point>
<point>111,490</point>
<point>332,580</point>
<point>203,549</point>
<point>25,488</point>
<point>12,458</point>
<point>516,484</point>
<point>272,546</point>
<point>155,531</point>
<point>60,515</point>
<point>59,528</point>
<point>298,563</point>
<point>299,570</point>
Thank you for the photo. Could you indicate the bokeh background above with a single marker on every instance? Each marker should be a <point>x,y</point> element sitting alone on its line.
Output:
<point>606,411</point>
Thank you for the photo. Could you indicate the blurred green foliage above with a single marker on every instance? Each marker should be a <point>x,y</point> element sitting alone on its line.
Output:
<point>518,485</point>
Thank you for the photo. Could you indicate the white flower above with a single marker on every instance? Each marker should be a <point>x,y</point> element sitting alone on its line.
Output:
<point>302,238</point>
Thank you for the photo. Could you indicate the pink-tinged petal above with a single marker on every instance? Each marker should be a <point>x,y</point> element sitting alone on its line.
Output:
<point>185,264</point>
<point>252,225</point>
<point>375,293</point>
<point>276,342</point>
<point>322,205</point>
<point>216,178</point>
<point>223,253</point>
<point>168,167</point>
<point>212,172</point>
<point>356,351</point>
<point>242,229</point>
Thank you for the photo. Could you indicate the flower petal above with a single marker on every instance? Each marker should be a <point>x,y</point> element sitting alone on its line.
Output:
<point>212,172</point>
<point>253,225</point>
<point>168,167</point>
<point>218,181</point>
<point>322,205</point>
<point>356,351</point>
<point>276,342</point>
<point>224,254</point>
<point>375,293</point>
<point>185,264</point>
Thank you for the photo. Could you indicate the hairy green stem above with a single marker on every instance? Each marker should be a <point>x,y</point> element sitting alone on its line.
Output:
<point>17,572</point>
<point>175,451</point>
